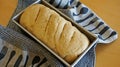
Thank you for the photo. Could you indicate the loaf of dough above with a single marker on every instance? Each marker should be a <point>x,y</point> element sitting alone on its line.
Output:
<point>54,31</point>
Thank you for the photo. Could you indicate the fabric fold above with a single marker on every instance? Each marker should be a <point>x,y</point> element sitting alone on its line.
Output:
<point>74,9</point>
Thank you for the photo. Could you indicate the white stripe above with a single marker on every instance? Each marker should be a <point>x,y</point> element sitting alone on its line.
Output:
<point>80,7</point>
<point>82,16</point>
<point>87,21</point>
<point>1,44</point>
<point>101,27</point>
<point>63,3</point>
<point>92,26</point>
<point>24,54</point>
<point>4,61</point>
<point>74,3</point>
<point>77,10</point>
<point>107,33</point>
<point>109,39</point>
<point>56,2</point>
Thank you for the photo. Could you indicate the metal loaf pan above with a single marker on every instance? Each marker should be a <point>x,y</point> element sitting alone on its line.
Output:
<point>93,39</point>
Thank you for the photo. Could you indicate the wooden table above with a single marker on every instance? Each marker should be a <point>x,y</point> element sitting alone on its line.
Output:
<point>109,10</point>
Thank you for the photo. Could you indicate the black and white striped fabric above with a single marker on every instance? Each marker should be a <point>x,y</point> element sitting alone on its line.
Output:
<point>87,18</point>
<point>14,49</point>
<point>18,50</point>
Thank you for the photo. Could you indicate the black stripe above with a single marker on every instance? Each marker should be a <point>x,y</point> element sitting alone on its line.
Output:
<point>51,1</point>
<point>78,3</point>
<point>99,36</point>
<point>101,23</point>
<point>71,1</point>
<point>36,59</point>
<point>42,62</point>
<point>3,52</point>
<point>65,7</point>
<point>11,56</point>
<point>59,4</point>
<point>104,30</point>
<point>79,21</point>
<point>92,21</point>
<point>112,34</point>
<point>17,63</point>
<point>83,10</point>
<point>26,61</point>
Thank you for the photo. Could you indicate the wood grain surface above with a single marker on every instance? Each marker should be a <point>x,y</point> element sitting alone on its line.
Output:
<point>7,8</point>
<point>107,55</point>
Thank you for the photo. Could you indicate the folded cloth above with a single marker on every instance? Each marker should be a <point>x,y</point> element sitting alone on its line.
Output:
<point>24,46</point>
<point>76,11</point>
<point>85,17</point>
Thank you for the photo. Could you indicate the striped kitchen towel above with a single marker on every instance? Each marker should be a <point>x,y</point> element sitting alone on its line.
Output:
<point>17,50</point>
<point>85,17</point>
<point>72,8</point>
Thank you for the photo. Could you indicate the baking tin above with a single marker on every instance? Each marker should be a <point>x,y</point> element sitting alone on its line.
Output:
<point>93,39</point>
